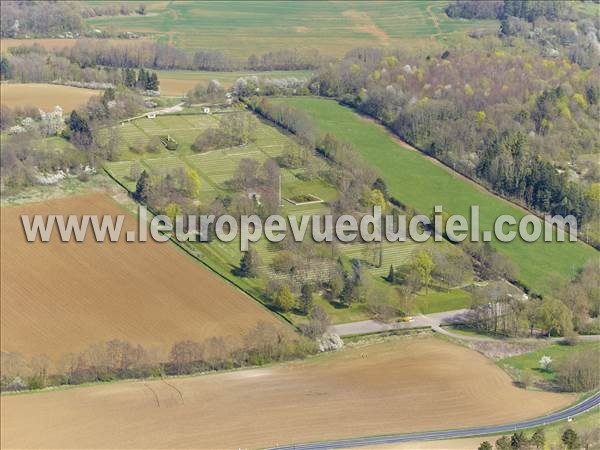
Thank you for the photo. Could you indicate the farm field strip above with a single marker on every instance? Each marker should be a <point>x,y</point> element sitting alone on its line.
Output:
<point>332,28</point>
<point>45,96</point>
<point>55,299</point>
<point>446,385</point>
<point>422,183</point>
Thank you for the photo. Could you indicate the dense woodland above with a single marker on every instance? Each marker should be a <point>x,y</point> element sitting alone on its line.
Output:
<point>57,18</point>
<point>90,52</point>
<point>519,124</point>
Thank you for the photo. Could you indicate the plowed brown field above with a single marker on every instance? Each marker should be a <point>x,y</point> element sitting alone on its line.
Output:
<point>60,297</point>
<point>402,385</point>
<point>44,96</point>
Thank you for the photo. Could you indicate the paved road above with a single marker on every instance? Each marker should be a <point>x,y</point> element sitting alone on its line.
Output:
<point>433,321</point>
<point>421,321</point>
<point>574,410</point>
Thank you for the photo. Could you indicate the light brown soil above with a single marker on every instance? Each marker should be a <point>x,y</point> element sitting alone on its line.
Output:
<point>448,444</point>
<point>173,86</point>
<point>61,297</point>
<point>44,96</point>
<point>402,385</point>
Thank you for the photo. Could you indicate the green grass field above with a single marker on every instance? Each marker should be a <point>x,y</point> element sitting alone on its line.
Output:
<point>243,28</point>
<point>436,301</point>
<point>530,361</point>
<point>417,181</point>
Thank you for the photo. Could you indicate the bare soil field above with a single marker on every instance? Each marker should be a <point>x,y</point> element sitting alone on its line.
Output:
<point>400,385</point>
<point>61,297</point>
<point>44,96</point>
<point>447,444</point>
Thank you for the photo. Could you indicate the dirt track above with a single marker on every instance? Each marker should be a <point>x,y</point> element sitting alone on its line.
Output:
<point>61,297</point>
<point>403,385</point>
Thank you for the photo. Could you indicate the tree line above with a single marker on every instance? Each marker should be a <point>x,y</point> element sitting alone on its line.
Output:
<point>569,440</point>
<point>118,359</point>
<point>132,53</point>
<point>572,307</point>
<point>57,19</point>
<point>510,122</point>
<point>500,9</point>
<point>27,64</point>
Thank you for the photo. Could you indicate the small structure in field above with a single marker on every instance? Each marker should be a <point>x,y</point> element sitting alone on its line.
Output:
<point>151,115</point>
<point>254,195</point>
<point>305,199</point>
<point>169,142</point>
<point>206,110</point>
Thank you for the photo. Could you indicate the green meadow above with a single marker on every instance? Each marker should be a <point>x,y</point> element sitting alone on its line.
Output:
<point>421,183</point>
<point>243,28</point>
<point>529,362</point>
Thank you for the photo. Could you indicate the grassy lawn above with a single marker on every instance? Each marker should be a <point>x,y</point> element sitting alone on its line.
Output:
<point>438,300</point>
<point>245,28</point>
<point>421,183</point>
<point>530,361</point>
<point>581,424</point>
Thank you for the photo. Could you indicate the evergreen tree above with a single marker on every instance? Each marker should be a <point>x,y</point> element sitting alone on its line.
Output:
<point>78,123</point>
<point>81,134</point>
<point>570,439</point>
<point>391,274</point>
<point>380,185</point>
<point>142,187</point>
<point>142,79</point>
<point>348,294</point>
<point>129,78</point>
<point>249,264</point>
<point>152,82</point>
<point>5,69</point>
<point>518,440</point>
<point>306,298</point>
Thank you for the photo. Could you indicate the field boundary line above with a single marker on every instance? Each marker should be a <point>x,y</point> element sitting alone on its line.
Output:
<point>473,181</point>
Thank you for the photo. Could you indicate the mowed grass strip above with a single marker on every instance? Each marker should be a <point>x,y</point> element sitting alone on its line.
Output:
<point>422,183</point>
